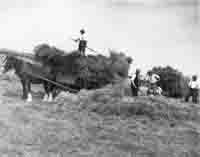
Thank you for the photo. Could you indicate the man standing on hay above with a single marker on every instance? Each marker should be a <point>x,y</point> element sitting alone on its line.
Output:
<point>193,90</point>
<point>82,42</point>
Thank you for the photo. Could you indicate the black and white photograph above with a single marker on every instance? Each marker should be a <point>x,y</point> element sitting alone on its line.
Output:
<point>99,78</point>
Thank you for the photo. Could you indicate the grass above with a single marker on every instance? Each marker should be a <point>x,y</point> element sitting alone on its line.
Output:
<point>99,123</point>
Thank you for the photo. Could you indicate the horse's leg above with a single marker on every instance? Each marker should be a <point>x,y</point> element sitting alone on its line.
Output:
<point>50,92</point>
<point>24,94</point>
<point>50,98</point>
<point>55,91</point>
<point>29,98</point>
<point>45,98</point>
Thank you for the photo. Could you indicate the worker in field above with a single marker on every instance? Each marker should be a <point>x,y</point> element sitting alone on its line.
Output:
<point>158,90</point>
<point>135,83</point>
<point>153,79</point>
<point>193,89</point>
<point>82,42</point>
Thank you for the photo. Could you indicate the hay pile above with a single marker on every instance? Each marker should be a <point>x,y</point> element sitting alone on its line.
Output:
<point>116,100</point>
<point>95,70</point>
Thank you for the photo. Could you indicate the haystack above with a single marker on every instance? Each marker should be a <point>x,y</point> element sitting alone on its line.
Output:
<point>94,70</point>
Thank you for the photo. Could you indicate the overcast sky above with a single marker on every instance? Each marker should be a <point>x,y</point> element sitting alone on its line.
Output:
<point>150,33</point>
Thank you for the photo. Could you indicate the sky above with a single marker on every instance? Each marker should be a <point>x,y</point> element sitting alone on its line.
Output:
<point>153,33</point>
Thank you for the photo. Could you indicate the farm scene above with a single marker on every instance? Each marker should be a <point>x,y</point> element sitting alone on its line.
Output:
<point>94,114</point>
<point>57,101</point>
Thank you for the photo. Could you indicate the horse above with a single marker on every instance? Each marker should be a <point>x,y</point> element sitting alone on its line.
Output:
<point>27,74</point>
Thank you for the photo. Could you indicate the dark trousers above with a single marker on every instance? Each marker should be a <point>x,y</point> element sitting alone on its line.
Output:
<point>82,46</point>
<point>134,90</point>
<point>194,93</point>
<point>82,50</point>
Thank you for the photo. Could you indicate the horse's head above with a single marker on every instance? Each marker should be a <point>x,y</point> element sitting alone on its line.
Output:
<point>9,64</point>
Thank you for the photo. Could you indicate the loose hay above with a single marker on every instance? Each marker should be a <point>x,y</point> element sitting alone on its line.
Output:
<point>113,100</point>
<point>99,123</point>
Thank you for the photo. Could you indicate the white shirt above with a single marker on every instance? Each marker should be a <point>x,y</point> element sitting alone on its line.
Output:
<point>153,78</point>
<point>194,84</point>
<point>159,90</point>
<point>82,37</point>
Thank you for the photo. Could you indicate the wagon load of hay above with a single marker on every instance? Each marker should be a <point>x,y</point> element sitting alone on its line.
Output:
<point>92,71</point>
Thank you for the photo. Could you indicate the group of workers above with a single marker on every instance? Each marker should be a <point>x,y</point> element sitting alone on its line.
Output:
<point>151,79</point>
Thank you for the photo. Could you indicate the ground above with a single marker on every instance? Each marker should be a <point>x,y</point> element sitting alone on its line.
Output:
<point>72,128</point>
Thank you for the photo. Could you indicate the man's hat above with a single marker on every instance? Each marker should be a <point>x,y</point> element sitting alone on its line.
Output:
<point>82,31</point>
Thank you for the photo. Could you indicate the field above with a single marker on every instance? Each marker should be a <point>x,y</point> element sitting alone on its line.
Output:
<point>99,123</point>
